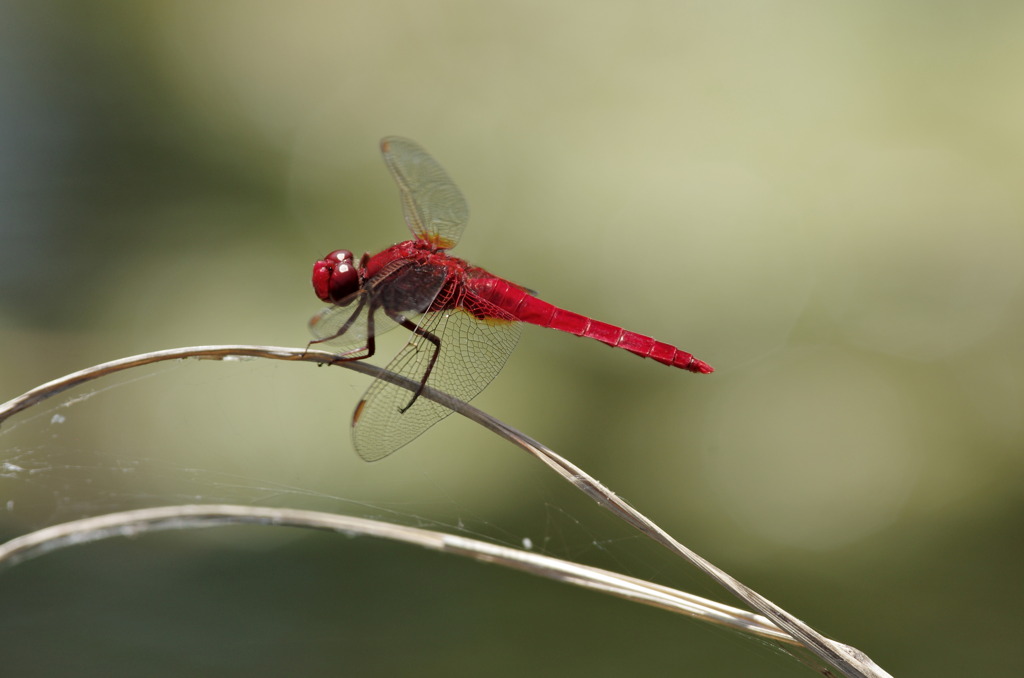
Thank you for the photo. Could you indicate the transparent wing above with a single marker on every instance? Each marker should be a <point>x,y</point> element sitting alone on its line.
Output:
<point>472,353</point>
<point>434,208</point>
<point>346,327</point>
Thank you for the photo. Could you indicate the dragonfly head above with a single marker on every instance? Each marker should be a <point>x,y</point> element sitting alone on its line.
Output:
<point>335,277</point>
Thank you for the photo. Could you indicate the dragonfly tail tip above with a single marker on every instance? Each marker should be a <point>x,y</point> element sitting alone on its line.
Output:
<point>700,367</point>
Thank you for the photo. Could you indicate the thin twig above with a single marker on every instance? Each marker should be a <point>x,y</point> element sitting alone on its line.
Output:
<point>848,660</point>
<point>133,523</point>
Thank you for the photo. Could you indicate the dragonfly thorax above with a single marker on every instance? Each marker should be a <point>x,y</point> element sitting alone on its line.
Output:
<point>336,277</point>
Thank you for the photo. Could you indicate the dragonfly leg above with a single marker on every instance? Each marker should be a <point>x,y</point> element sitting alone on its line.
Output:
<point>346,356</point>
<point>433,339</point>
<point>347,324</point>
<point>371,344</point>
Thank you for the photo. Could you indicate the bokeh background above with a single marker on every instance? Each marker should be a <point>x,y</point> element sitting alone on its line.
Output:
<point>821,200</point>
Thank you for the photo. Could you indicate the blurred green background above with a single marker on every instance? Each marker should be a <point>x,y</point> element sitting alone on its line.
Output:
<point>821,200</point>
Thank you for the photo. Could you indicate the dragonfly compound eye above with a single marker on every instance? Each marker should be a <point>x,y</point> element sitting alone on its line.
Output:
<point>335,276</point>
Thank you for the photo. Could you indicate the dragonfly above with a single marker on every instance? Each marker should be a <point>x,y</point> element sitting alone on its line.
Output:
<point>464,321</point>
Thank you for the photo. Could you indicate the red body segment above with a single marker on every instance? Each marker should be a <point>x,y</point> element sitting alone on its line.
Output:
<point>528,308</point>
<point>478,292</point>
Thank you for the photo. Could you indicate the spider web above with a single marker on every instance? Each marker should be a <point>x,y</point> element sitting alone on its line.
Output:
<point>164,435</point>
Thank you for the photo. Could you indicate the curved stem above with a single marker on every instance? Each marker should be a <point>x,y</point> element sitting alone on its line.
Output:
<point>849,660</point>
<point>133,523</point>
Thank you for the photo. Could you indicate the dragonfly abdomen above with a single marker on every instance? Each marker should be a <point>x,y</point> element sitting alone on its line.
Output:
<point>528,308</point>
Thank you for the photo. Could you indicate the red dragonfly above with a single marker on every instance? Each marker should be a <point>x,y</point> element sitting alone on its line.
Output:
<point>464,321</point>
